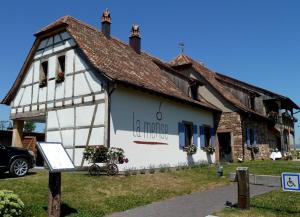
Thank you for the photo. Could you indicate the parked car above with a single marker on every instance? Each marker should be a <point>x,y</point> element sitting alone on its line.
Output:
<point>17,161</point>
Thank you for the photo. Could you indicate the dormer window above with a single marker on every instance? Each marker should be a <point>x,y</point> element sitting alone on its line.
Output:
<point>60,72</point>
<point>43,74</point>
<point>194,91</point>
<point>252,103</point>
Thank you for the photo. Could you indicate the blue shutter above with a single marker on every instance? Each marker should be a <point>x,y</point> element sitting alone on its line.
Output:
<point>248,137</point>
<point>202,137</point>
<point>195,135</point>
<point>212,136</point>
<point>254,137</point>
<point>181,134</point>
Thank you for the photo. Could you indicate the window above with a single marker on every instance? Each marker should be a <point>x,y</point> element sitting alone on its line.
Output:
<point>194,91</point>
<point>251,137</point>
<point>188,134</point>
<point>60,72</point>
<point>43,74</point>
<point>207,136</point>
<point>252,102</point>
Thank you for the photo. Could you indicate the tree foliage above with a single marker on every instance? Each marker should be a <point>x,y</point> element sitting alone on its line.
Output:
<point>29,127</point>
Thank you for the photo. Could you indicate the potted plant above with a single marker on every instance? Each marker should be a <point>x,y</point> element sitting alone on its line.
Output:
<point>254,150</point>
<point>209,149</point>
<point>60,77</point>
<point>102,154</point>
<point>191,149</point>
<point>95,154</point>
<point>116,155</point>
<point>43,82</point>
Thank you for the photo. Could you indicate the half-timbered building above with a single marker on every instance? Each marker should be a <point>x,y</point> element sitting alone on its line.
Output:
<point>90,88</point>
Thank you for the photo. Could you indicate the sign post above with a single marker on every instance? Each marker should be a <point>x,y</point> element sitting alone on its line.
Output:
<point>54,194</point>
<point>57,161</point>
<point>290,182</point>
<point>242,174</point>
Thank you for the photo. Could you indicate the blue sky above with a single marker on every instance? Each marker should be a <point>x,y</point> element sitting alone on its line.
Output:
<point>254,41</point>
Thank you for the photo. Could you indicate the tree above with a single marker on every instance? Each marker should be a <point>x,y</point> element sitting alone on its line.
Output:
<point>29,127</point>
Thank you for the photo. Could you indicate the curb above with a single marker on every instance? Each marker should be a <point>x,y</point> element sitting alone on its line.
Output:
<point>266,180</point>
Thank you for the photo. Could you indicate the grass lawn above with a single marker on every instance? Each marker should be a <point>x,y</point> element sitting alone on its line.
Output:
<point>274,204</point>
<point>266,167</point>
<point>86,196</point>
<point>83,195</point>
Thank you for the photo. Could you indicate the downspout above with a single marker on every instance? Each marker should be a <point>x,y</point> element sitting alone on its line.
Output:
<point>109,93</point>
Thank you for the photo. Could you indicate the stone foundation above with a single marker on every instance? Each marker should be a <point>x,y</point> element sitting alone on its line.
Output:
<point>264,152</point>
<point>236,124</point>
<point>231,122</point>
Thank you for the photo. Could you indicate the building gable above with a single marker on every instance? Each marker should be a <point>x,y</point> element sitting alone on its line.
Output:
<point>67,76</point>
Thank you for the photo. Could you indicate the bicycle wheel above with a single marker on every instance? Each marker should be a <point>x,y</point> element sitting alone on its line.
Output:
<point>112,169</point>
<point>94,170</point>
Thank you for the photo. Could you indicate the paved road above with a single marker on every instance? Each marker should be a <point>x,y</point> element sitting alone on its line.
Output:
<point>199,204</point>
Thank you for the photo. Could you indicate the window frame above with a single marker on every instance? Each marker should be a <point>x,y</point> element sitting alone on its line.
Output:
<point>43,79</point>
<point>60,77</point>
<point>188,124</point>
<point>194,90</point>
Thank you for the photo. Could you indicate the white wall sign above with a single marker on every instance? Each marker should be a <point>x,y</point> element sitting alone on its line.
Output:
<point>290,181</point>
<point>55,156</point>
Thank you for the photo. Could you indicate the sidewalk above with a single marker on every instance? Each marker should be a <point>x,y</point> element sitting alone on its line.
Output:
<point>199,204</point>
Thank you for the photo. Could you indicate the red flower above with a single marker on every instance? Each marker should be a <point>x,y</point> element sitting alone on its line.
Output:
<point>126,160</point>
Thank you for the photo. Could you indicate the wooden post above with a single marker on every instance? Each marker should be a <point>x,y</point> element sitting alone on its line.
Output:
<point>54,194</point>
<point>17,133</point>
<point>242,174</point>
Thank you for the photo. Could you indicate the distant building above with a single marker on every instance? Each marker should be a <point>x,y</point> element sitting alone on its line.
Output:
<point>251,116</point>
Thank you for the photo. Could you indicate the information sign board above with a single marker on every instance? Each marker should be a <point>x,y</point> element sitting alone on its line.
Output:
<point>55,156</point>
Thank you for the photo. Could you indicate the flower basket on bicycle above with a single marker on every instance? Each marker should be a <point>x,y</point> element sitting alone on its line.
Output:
<point>109,156</point>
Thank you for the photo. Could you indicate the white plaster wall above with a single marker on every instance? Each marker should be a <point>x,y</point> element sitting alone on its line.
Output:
<point>80,81</point>
<point>72,126</point>
<point>125,102</point>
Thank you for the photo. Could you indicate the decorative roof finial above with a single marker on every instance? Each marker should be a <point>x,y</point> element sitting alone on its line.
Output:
<point>181,47</point>
<point>135,30</point>
<point>106,16</point>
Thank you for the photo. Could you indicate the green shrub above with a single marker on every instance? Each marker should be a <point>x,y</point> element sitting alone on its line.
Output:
<point>127,172</point>
<point>10,204</point>
<point>151,169</point>
<point>162,169</point>
<point>134,172</point>
<point>143,171</point>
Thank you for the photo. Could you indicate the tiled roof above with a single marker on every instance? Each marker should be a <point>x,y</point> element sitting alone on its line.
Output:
<point>119,62</point>
<point>214,78</point>
<point>210,77</point>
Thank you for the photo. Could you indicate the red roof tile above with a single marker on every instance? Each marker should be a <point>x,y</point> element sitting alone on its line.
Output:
<point>118,61</point>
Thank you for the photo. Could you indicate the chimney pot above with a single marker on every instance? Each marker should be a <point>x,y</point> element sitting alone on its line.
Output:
<point>135,39</point>
<point>106,21</point>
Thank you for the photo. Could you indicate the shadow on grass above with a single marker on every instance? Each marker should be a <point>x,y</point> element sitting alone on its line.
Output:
<point>8,176</point>
<point>65,210</point>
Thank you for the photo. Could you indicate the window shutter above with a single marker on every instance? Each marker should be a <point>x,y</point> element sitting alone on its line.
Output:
<point>181,135</point>
<point>248,137</point>
<point>202,137</point>
<point>212,136</point>
<point>195,135</point>
<point>254,137</point>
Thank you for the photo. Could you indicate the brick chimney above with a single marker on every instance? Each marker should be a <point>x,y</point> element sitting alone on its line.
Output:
<point>135,39</point>
<point>106,21</point>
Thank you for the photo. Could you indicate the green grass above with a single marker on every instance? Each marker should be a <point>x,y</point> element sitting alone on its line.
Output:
<point>274,204</point>
<point>266,167</point>
<point>86,196</point>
